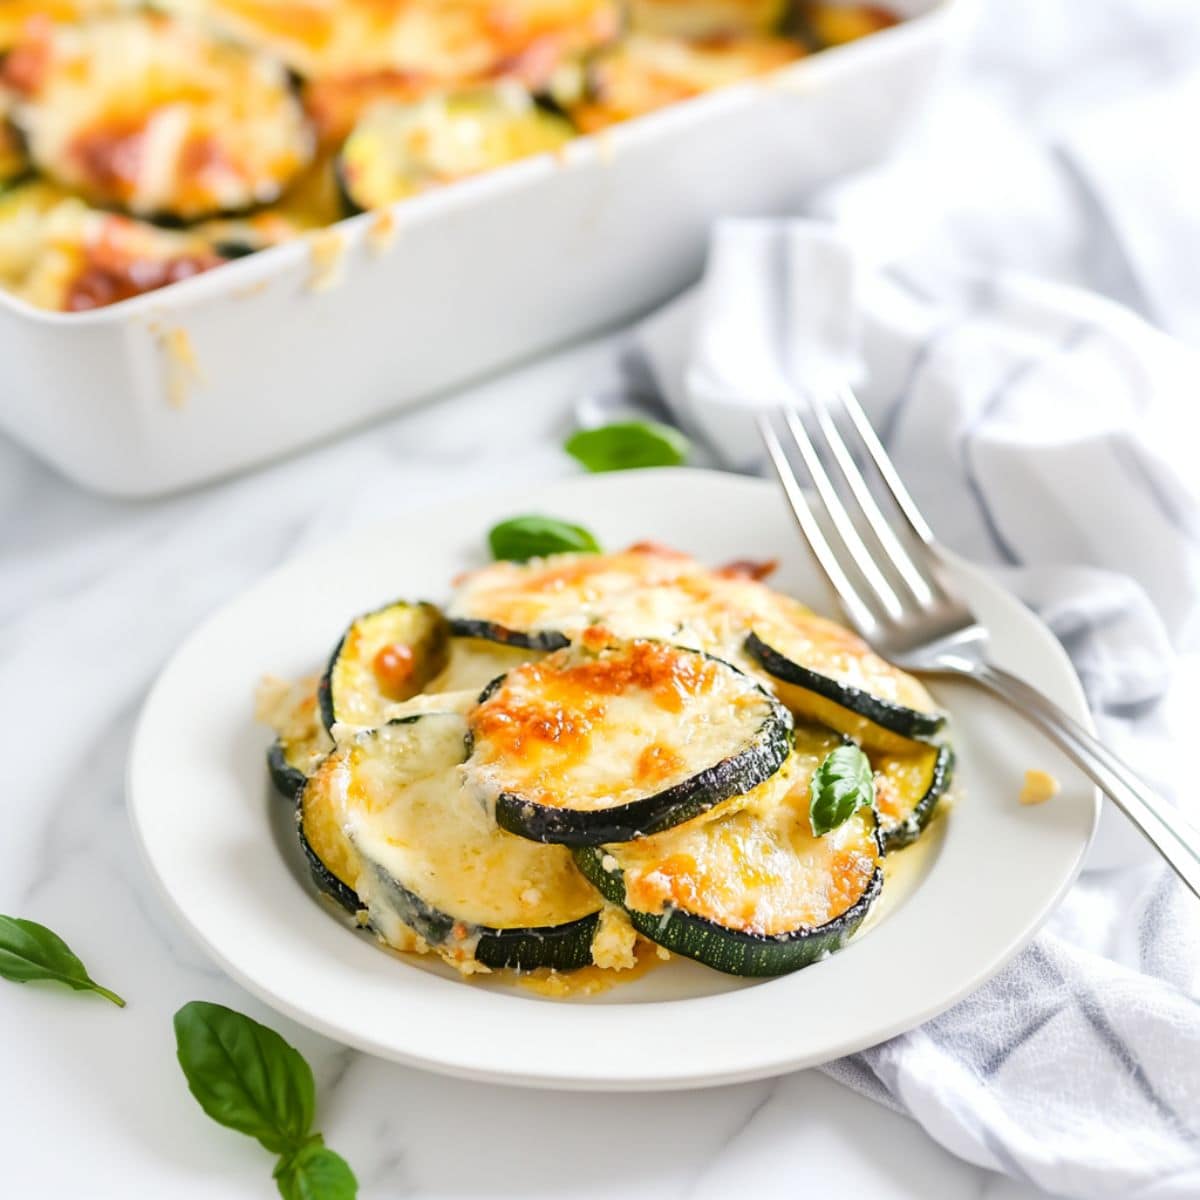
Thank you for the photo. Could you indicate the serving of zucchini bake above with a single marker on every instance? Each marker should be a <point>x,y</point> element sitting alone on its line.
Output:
<point>146,141</point>
<point>587,754</point>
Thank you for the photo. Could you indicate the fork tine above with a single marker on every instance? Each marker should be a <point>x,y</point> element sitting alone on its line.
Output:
<point>920,585</point>
<point>853,604</point>
<point>883,464</point>
<point>839,518</point>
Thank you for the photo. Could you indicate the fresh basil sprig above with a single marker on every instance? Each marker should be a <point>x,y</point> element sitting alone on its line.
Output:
<point>246,1077</point>
<point>841,785</point>
<point>625,445</point>
<point>315,1172</point>
<point>30,951</point>
<point>521,538</point>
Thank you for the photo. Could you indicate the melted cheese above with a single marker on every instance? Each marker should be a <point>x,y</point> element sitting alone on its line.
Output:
<point>759,868</point>
<point>633,594</point>
<point>830,649</point>
<point>594,729</point>
<point>400,804</point>
<point>615,941</point>
<point>473,664</point>
<point>399,150</point>
<point>593,980</point>
<point>644,73</point>
<point>291,710</point>
<point>660,594</point>
<point>467,665</point>
<point>386,657</point>
<point>58,253</point>
<point>448,40</point>
<point>901,782</point>
<point>18,16</point>
<point>150,115</point>
<point>703,19</point>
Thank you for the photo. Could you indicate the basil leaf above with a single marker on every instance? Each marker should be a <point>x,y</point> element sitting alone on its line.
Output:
<point>30,951</point>
<point>626,445</point>
<point>315,1173</point>
<point>245,1076</point>
<point>841,785</point>
<point>522,538</point>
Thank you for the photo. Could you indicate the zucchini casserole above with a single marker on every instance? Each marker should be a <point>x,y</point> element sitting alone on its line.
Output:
<point>145,141</point>
<point>587,756</point>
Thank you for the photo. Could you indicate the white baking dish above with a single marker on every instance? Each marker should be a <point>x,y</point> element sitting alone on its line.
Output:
<point>477,275</point>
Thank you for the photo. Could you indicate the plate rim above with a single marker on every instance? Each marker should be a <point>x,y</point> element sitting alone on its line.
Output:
<point>675,1080</point>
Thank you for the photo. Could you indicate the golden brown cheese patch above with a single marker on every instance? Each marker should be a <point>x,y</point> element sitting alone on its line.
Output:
<point>594,729</point>
<point>150,115</point>
<point>547,711</point>
<point>452,41</point>
<point>757,869</point>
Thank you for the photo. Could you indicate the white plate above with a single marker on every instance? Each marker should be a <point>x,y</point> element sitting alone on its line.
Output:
<point>221,847</point>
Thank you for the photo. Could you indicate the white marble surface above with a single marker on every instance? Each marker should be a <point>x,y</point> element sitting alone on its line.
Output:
<point>94,595</point>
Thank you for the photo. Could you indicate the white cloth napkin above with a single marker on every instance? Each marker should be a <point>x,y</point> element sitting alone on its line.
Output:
<point>1051,434</point>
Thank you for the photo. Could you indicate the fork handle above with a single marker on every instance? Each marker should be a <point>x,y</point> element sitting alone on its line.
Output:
<point>1158,821</point>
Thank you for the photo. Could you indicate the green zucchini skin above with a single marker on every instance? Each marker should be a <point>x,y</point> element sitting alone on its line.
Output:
<point>896,835</point>
<point>289,781</point>
<point>490,631</point>
<point>897,718</point>
<point>327,883</point>
<point>732,776</point>
<point>349,206</point>
<point>732,951</point>
<point>561,947</point>
<point>435,652</point>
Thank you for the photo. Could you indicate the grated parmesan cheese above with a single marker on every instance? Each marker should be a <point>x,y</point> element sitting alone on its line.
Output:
<point>327,251</point>
<point>614,941</point>
<point>381,234</point>
<point>1039,787</point>
<point>181,365</point>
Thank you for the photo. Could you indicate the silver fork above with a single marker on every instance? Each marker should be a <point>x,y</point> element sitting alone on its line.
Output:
<point>888,576</point>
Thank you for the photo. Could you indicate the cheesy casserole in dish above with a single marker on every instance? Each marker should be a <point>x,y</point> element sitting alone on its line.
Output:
<point>143,143</point>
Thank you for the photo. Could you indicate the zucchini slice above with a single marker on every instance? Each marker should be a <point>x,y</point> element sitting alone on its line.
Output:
<point>400,150</point>
<point>750,891</point>
<point>822,671</point>
<point>312,202</point>
<point>642,73</point>
<point>647,592</point>
<point>390,656</point>
<point>59,254</point>
<point>298,748</point>
<point>908,786</point>
<point>383,658</point>
<point>149,114</point>
<point>818,668</point>
<point>301,742</point>
<point>388,828</point>
<point>607,741</point>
